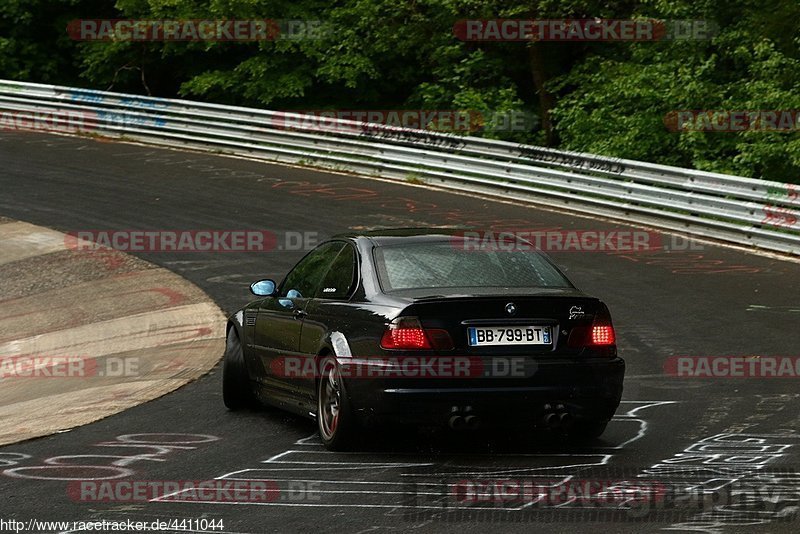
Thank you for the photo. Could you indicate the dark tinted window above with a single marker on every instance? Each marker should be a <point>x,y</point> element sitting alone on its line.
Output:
<point>341,276</point>
<point>444,264</point>
<point>307,275</point>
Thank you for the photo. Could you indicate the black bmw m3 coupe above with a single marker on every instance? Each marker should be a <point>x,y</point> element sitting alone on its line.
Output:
<point>425,327</point>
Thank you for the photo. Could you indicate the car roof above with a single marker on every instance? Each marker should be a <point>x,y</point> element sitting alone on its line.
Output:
<point>388,236</point>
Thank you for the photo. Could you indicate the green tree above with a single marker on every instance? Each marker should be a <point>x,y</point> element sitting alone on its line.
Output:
<point>614,98</point>
<point>616,104</point>
<point>34,45</point>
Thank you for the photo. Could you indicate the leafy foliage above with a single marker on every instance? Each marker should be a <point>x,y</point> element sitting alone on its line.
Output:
<point>613,98</point>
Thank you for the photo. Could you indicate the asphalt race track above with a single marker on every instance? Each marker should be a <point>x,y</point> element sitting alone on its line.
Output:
<point>721,434</point>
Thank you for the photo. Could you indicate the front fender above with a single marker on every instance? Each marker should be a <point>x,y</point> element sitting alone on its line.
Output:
<point>236,321</point>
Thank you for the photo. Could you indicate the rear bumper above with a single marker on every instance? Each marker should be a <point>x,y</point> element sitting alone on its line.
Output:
<point>587,389</point>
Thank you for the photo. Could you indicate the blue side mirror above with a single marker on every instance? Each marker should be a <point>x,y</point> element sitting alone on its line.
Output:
<point>263,288</point>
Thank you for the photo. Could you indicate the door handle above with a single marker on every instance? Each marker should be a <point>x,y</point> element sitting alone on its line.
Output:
<point>299,314</point>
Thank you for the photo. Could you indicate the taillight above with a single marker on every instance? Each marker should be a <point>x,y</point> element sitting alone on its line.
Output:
<point>603,335</point>
<point>600,334</point>
<point>405,338</point>
<point>406,333</point>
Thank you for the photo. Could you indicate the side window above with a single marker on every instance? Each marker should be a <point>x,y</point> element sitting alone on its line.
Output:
<point>306,276</point>
<point>341,277</point>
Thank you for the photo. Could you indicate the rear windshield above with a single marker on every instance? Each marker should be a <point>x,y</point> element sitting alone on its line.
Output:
<point>442,264</point>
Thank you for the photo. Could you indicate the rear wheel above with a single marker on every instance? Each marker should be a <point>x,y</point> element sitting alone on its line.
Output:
<point>334,417</point>
<point>237,391</point>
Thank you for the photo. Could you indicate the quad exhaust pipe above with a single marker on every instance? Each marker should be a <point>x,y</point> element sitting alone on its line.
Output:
<point>463,419</point>
<point>472,422</point>
<point>556,417</point>
<point>457,422</point>
<point>550,420</point>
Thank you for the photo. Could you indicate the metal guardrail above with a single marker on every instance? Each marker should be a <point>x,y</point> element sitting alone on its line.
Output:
<point>739,210</point>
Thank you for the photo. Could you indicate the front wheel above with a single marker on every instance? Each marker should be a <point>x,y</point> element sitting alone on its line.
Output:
<point>334,417</point>
<point>237,391</point>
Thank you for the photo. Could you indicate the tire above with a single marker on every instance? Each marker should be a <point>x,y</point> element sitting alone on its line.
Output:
<point>237,391</point>
<point>588,430</point>
<point>337,426</point>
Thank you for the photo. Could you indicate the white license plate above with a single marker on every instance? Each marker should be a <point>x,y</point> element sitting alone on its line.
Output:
<point>509,335</point>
